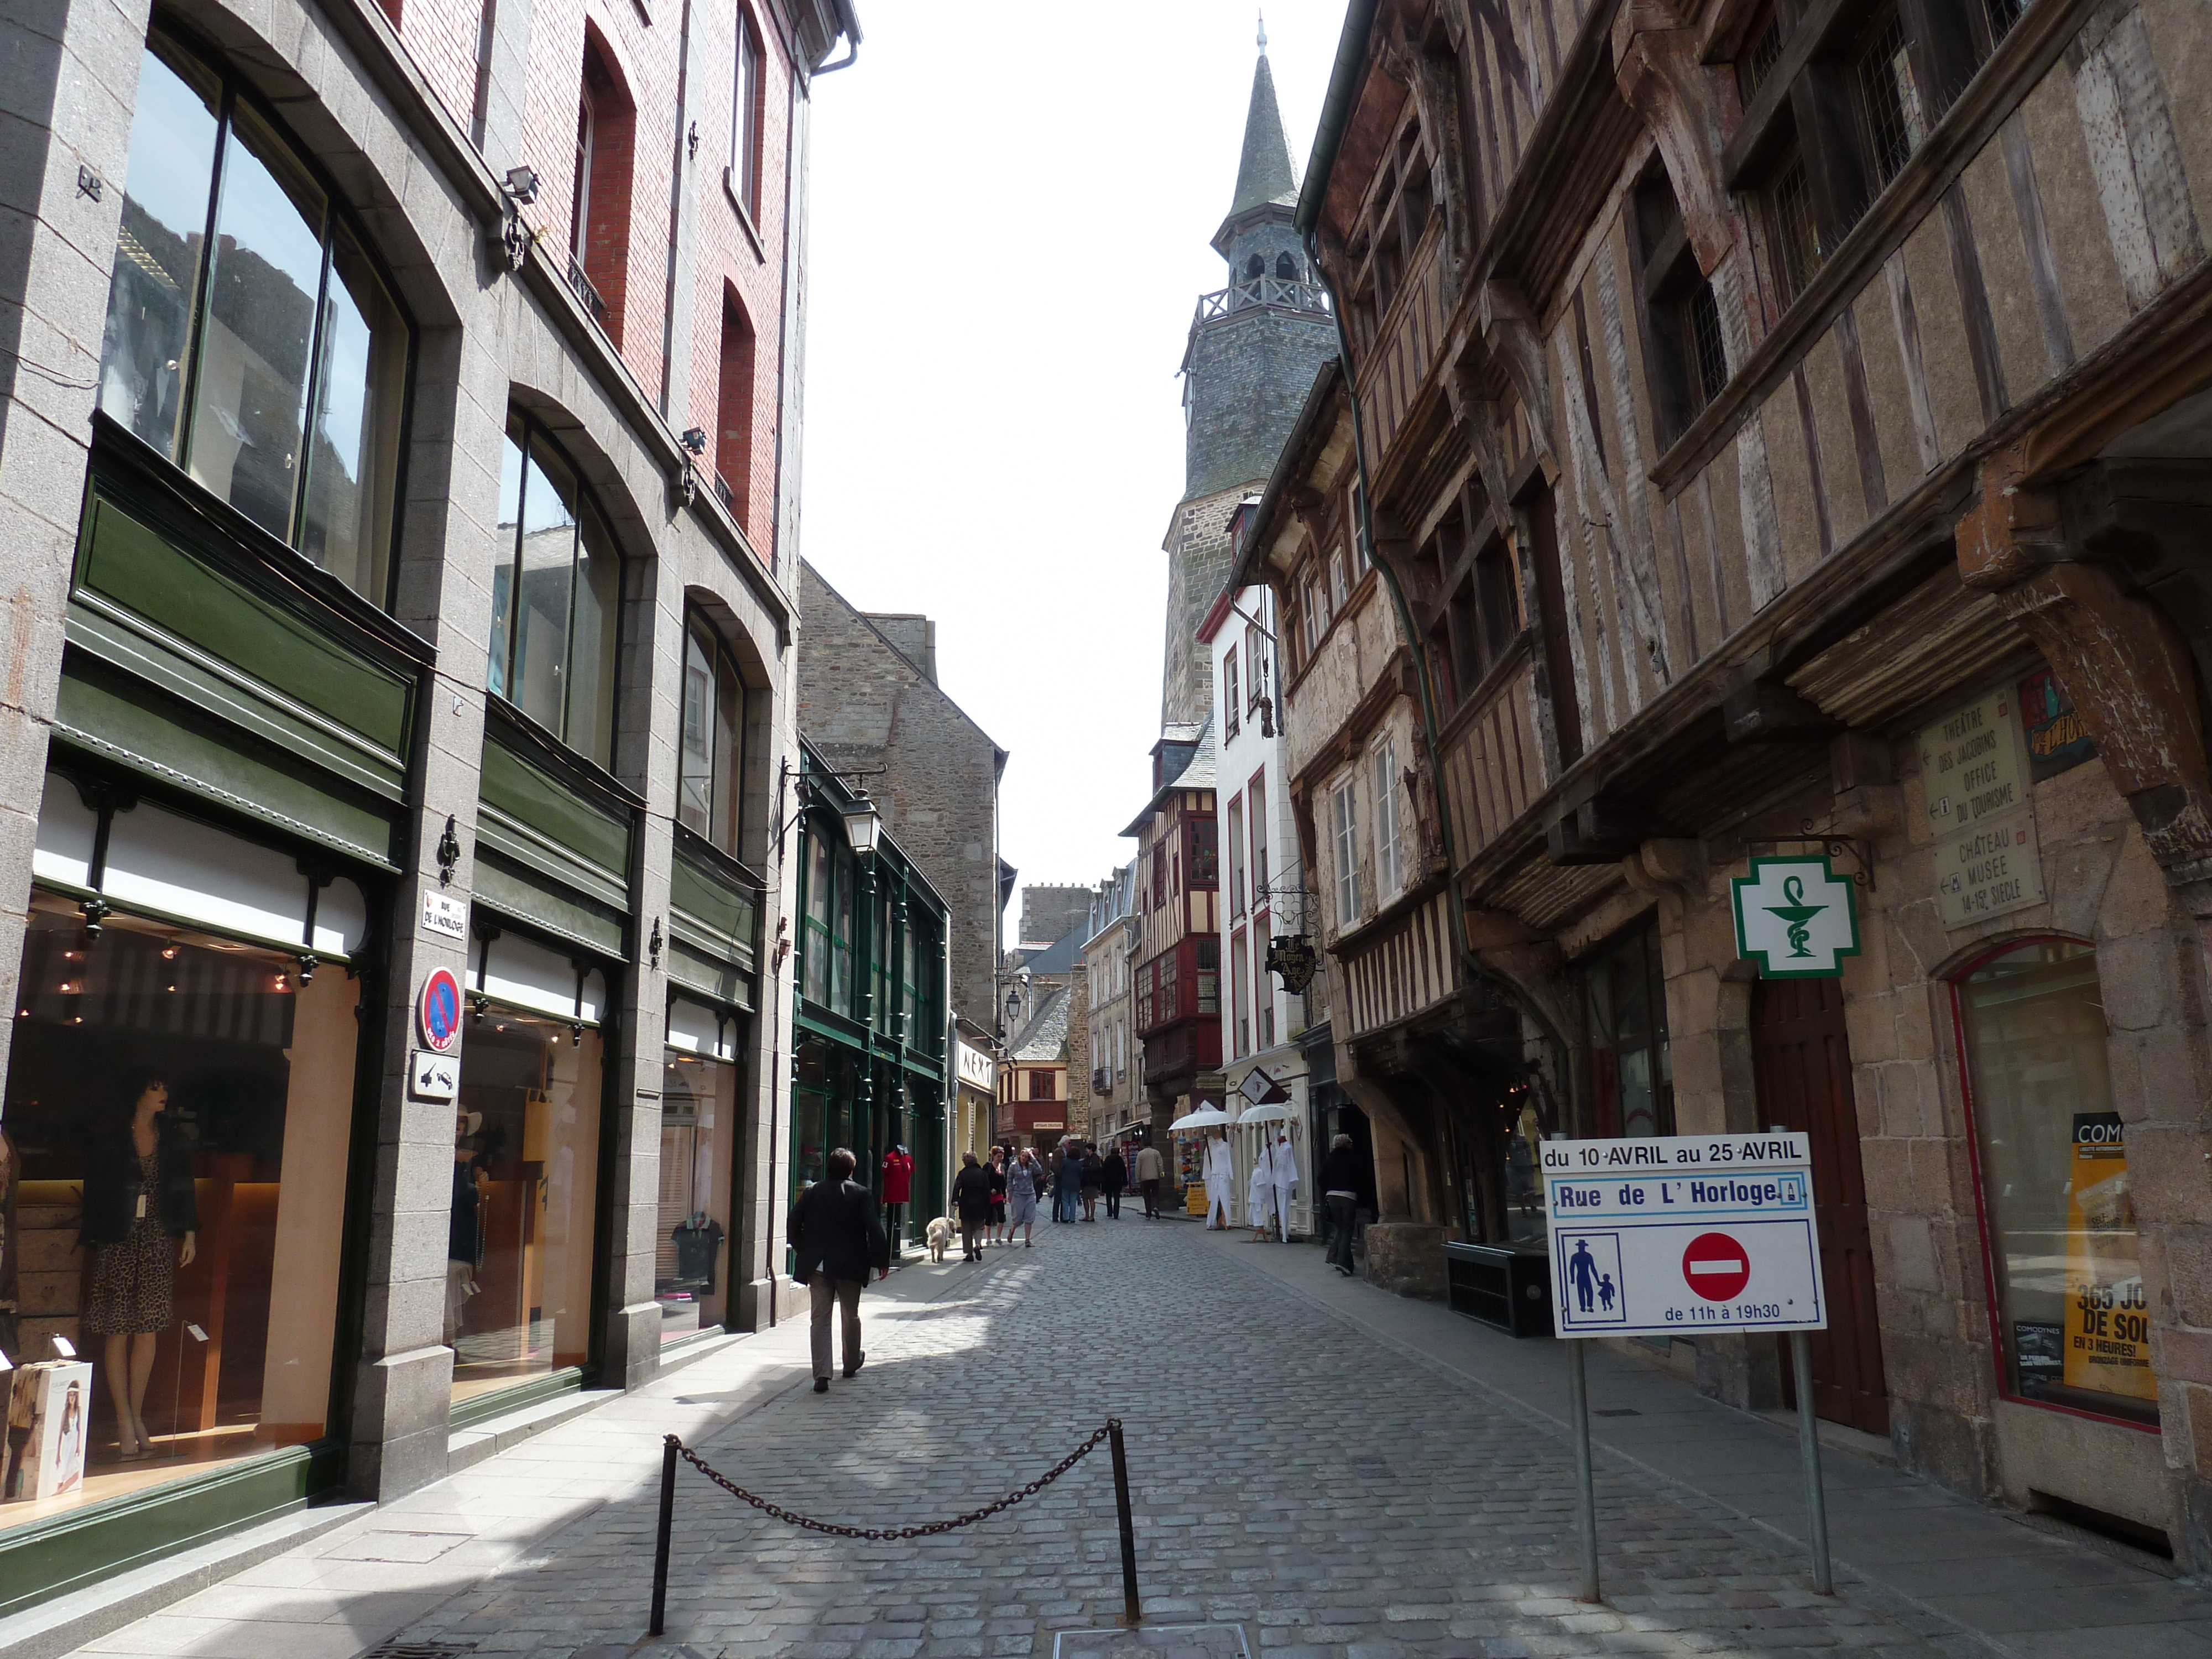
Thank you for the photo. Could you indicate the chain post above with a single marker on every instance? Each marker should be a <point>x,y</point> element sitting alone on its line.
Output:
<point>670,1445</point>
<point>1132,1612</point>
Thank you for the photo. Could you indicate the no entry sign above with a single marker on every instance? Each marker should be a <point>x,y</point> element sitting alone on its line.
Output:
<point>1686,1233</point>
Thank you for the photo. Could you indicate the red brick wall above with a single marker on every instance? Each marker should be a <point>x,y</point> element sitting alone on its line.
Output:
<point>733,261</point>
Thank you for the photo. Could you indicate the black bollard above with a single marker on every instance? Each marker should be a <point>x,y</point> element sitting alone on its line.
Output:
<point>668,1445</point>
<point>1131,1613</point>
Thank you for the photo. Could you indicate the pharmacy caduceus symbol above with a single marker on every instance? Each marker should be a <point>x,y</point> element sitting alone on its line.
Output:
<point>1796,913</point>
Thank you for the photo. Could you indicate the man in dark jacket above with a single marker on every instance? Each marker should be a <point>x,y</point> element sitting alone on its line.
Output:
<point>1113,1176</point>
<point>1340,1187</point>
<point>836,1237</point>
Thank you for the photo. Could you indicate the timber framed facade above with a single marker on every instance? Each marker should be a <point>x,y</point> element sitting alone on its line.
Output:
<point>1766,420</point>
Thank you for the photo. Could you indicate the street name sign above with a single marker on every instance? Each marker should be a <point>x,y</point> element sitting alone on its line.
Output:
<point>1683,1233</point>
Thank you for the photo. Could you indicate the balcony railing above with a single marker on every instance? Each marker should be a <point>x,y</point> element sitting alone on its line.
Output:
<point>1263,291</point>
<point>593,306</point>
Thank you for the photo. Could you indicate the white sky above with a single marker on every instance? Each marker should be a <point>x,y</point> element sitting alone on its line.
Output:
<point>1012,203</point>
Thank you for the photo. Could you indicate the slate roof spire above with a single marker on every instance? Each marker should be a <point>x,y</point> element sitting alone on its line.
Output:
<point>1263,172</point>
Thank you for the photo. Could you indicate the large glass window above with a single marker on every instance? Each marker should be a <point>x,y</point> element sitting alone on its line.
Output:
<point>1388,872</point>
<point>525,1188</point>
<point>698,1164</point>
<point>172,1178</point>
<point>1632,1067</point>
<point>832,882</point>
<point>710,757</point>
<point>2056,1194</point>
<point>270,359</point>
<point>556,597</point>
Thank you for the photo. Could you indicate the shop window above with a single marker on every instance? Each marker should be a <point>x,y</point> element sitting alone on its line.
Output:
<point>710,752</point>
<point>556,597</point>
<point>698,1165</point>
<point>525,1185</point>
<point>178,1114</point>
<point>2067,1291</point>
<point>274,371</point>
<point>1632,1068</point>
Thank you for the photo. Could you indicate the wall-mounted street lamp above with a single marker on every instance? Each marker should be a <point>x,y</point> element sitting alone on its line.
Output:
<point>863,824</point>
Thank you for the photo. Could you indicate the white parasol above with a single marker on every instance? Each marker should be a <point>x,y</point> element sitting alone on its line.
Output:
<point>1261,1114</point>
<point>1205,1117</point>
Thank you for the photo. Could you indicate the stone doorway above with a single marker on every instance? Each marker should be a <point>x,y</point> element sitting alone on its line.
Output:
<point>1802,1061</point>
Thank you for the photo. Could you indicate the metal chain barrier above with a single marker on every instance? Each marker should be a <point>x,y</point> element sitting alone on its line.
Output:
<point>777,1512</point>
<point>1109,1433</point>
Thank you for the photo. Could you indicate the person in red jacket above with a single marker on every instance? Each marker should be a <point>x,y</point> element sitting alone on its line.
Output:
<point>898,1191</point>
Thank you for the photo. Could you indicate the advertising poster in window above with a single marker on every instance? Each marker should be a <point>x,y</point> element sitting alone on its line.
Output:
<point>2107,1323</point>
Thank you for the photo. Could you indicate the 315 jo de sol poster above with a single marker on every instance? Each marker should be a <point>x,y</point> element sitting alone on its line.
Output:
<point>2107,1324</point>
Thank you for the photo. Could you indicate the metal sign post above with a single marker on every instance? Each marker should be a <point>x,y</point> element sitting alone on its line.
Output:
<point>1687,1234</point>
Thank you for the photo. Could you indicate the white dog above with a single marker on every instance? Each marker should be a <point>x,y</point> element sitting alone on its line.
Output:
<point>940,1238</point>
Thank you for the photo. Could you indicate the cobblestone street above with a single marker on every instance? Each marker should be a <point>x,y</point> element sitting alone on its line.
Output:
<point>1430,1518</point>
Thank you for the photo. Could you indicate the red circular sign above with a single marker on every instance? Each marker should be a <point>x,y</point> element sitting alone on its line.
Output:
<point>439,1009</point>
<point>1715,1267</point>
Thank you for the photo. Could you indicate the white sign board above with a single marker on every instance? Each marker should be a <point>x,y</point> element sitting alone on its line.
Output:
<point>1973,765</point>
<point>433,1076</point>
<point>1684,1233</point>
<point>442,915</point>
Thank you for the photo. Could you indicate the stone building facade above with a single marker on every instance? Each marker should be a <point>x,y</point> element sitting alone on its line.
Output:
<point>870,705</point>
<point>393,710</point>
<point>1116,1054</point>
<point>1775,428</point>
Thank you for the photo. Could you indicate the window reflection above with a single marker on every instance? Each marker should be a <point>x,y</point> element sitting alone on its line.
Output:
<point>291,317</point>
<point>711,750</point>
<point>557,594</point>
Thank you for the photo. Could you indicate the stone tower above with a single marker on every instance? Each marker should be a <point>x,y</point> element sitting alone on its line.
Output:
<point>1253,348</point>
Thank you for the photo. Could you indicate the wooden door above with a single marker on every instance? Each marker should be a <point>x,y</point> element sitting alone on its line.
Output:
<point>1802,1062</point>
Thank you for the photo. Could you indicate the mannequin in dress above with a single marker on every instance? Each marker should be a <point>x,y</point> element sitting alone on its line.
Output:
<point>133,1208</point>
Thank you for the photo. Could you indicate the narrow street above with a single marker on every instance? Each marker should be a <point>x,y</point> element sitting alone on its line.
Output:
<point>1313,1459</point>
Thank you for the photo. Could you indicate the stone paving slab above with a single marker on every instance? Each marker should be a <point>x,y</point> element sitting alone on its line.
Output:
<point>1334,1472</point>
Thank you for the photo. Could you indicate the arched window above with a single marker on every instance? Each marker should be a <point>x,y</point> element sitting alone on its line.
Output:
<point>1254,268</point>
<point>2073,1325</point>
<point>275,376</point>
<point>710,751</point>
<point>1287,268</point>
<point>556,597</point>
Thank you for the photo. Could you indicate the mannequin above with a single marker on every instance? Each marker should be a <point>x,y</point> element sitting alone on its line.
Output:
<point>898,1190</point>
<point>464,1238</point>
<point>138,1197</point>
<point>1282,1164</point>
<point>1220,1179</point>
<point>1259,1197</point>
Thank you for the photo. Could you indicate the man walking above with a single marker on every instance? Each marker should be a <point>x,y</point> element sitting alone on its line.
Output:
<point>1340,1187</point>
<point>836,1237</point>
<point>1113,1175</point>
<point>1151,1168</point>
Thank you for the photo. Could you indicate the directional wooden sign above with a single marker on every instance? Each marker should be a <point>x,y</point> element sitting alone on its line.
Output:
<point>1796,918</point>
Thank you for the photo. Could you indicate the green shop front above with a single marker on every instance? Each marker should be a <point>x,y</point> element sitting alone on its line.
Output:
<point>869,1066</point>
<point>189,1106</point>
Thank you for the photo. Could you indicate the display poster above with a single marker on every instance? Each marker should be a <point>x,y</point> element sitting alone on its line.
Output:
<point>1658,1235</point>
<point>2057,737</point>
<point>2107,1336</point>
<point>49,1414</point>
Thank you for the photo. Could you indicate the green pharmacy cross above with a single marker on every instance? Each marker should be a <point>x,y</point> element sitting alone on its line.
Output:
<point>1795,918</point>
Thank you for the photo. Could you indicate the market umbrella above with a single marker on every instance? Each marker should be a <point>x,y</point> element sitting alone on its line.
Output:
<point>1205,1117</point>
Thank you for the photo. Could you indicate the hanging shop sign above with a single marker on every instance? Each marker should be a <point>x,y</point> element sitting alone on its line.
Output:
<point>1261,1089</point>
<point>1290,958</point>
<point>437,1010</point>
<point>2057,736</point>
<point>1683,1233</point>
<point>2106,1340</point>
<point>1796,917</point>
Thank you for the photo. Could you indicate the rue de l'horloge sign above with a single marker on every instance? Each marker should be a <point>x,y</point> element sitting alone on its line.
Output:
<point>1683,1233</point>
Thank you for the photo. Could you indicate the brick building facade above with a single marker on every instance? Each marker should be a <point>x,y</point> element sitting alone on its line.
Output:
<point>393,711</point>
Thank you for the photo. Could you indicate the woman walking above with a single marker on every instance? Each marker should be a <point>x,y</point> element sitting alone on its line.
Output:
<point>1022,1183</point>
<point>1113,1176</point>
<point>1093,1177</point>
<point>1340,1189</point>
<point>971,1201</point>
<point>999,1232</point>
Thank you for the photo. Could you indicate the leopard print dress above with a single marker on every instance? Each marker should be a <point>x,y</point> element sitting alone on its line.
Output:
<point>134,1283</point>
